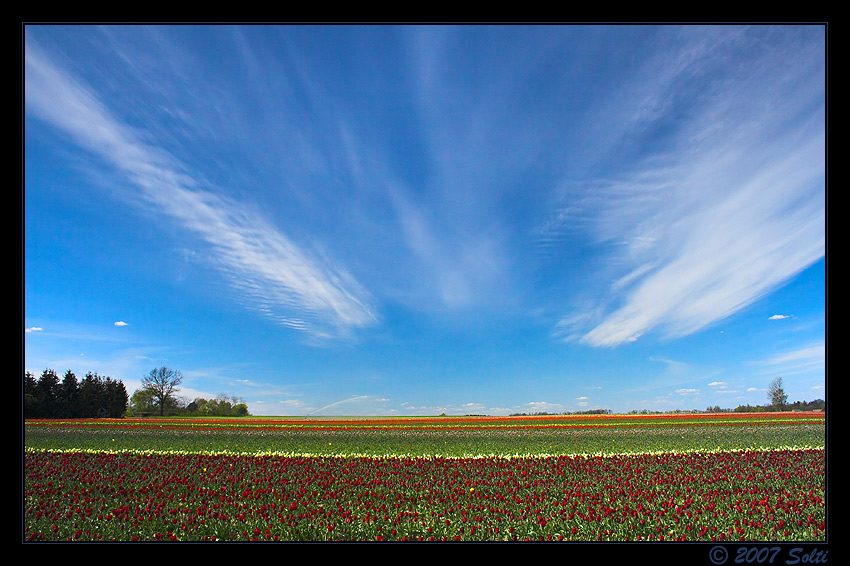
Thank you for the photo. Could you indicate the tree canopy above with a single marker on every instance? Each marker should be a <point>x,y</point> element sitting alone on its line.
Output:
<point>162,384</point>
<point>95,396</point>
<point>776,394</point>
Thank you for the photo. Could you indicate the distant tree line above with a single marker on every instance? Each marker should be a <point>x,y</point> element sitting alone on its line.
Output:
<point>590,412</point>
<point>220,406</point>
<point>544,413</point>
<point>158,396</point>
<point>143,405</point>
<point>668,412</point>
<point>95,396</point>
<point>778,402</point>
<point>816,405</point>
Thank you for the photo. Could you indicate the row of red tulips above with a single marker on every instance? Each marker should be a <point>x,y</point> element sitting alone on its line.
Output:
<point>723,496</point>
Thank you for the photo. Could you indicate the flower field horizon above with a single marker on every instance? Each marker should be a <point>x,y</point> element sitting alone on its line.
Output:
<point>753,477</point>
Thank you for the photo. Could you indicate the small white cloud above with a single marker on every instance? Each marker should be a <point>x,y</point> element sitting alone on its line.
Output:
<point>121,323</point>
<point>720,384</point>
<point>33,329</point>
<point>779,317</point>
<point>582,398</point>
<point>686,391</point>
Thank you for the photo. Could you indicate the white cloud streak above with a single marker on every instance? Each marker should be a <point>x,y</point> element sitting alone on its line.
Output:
<point>806,358</point>
<point>299,289</point>
<point>732,210</point>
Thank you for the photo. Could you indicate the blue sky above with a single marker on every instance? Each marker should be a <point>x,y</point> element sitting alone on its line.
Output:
<point>418,220</point>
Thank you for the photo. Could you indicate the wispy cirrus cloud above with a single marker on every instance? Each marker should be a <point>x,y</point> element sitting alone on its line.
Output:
<point>809,357</point>
<point>730,204</point>
<point>297,287</point>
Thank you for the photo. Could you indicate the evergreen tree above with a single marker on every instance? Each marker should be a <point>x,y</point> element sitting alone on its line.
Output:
<point>68,396</point>
<point>116,398</point>
<point>93,397</point>
<point>30,400</point>
<point>47,394</point>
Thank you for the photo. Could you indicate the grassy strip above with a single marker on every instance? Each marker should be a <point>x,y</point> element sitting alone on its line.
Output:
<point>450,443</point>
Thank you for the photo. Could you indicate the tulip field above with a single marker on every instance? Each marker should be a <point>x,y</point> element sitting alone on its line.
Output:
<point>705,477</point>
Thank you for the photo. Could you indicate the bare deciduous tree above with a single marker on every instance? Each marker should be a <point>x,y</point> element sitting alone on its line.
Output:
<point>162,383</point>
<point>776,394</point>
